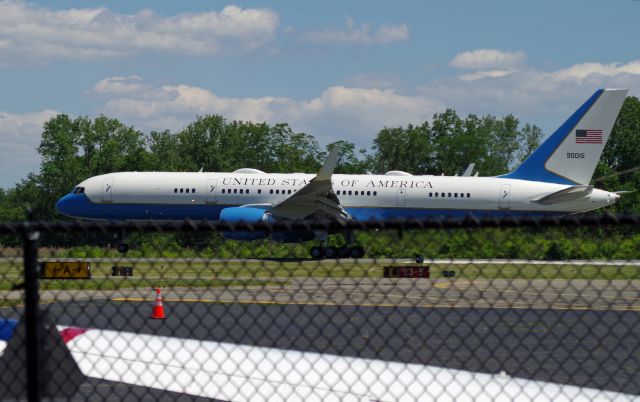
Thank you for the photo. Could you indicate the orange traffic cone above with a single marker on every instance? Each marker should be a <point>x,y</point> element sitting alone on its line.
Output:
<point>158,308</point>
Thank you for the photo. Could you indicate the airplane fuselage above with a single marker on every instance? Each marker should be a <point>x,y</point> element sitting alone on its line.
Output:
<point>201,195</point>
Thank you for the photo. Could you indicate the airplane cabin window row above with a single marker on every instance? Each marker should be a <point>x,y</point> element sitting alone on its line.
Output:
<point>246,191</point>
<point>184,190</point>
<point>356,192</point>
<point>281,191</point>
<point>449,195</point>
<point>237,191</point>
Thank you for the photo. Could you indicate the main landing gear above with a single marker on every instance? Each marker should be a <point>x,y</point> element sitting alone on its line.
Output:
<point>318,252</point>
<point>350,251</point>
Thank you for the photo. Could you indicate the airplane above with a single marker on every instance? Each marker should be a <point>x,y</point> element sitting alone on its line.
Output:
<point>235,372</point>
<point>553,180</point>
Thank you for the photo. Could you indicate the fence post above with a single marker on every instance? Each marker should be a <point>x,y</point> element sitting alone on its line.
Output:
<point>32,312</point>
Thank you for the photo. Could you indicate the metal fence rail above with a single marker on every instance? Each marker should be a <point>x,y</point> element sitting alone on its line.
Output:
<point>533,308</point>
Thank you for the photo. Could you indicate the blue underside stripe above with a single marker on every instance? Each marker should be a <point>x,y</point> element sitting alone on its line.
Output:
<point>533,168</point>
<point>80,206</point>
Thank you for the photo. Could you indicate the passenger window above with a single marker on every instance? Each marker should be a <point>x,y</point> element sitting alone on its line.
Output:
<point>241,191</point>
<point>338,192</point>
<point>436,195</point>
<point>289,192</point>
<point>375,193</point>
<point>235,191</point>
<point>449,195</point>
<point>455,195</point>
<point>349,192</point>
<point>175,190</point>
<point>259,191</point>
<point>442,195</point>
<point>247,191</point>
<point>193,190</point>
<point>368,193</point>
<point>181,191</point>
<point>468,195</point>
<point>277,191</point>
<point>430,195</point>
<point>223,191</point>
<point>187,190</point>
<point>271,191</point>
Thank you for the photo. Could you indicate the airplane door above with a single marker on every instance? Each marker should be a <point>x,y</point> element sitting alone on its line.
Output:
<point>402,197</point>
<point>107,190</point>
<point>505,196</point>
<point>212,190</point>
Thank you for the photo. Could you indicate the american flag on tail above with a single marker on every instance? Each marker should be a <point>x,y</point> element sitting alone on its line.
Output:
<point>588,136</point>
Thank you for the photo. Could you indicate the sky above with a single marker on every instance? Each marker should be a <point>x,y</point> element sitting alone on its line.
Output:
<point>333,69</point>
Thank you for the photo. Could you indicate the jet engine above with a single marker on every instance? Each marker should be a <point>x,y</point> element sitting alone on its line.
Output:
<point>259,215</point>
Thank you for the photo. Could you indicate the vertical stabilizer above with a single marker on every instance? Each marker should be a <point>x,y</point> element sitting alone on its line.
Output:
<point>570,155</point>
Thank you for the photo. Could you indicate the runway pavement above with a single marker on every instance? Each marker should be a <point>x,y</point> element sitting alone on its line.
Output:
<point>580,332</point>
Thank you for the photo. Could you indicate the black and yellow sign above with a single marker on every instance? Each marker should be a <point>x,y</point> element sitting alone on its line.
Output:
<point>406,271</point>
<point>65,270</point>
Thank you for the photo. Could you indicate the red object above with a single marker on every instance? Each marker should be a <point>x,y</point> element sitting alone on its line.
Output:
<point>68,334</point>
<point>158,308</point>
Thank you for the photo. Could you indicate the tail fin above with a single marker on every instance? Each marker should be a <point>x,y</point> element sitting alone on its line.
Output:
<point>570,155</point>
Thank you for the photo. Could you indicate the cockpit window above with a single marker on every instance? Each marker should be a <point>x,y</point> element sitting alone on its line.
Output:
<point>78,190</point>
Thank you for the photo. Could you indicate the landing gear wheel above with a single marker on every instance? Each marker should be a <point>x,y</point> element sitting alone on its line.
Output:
<point>343,252</point>
<point>123,247</point>
<point>356,252</point>
<point>330,252</point>
<point>316,252</point>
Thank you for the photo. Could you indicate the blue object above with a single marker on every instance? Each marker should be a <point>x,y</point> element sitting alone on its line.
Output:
<point>7,328</point>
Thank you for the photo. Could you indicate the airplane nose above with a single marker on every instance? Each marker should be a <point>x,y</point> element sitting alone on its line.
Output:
<point>63,206</point>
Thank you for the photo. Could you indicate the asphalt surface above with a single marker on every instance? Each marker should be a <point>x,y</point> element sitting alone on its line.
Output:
<point>576,332</point>
<point>598,349</point>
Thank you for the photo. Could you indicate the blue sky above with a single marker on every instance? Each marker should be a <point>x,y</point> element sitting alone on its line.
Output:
<point>334,69</point>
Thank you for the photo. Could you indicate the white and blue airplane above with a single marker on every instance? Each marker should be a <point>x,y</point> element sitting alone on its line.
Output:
<point>553,180</point>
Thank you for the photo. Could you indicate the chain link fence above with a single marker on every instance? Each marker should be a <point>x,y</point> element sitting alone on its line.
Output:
<point>508,309</point>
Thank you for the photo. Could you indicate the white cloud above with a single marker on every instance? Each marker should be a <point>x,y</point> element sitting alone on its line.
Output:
<point>488,59</point>
<point>545,98</point>
<point>119,85</point>
<point>29,31</point>
<point>584,70</point>
<point>20,136</point>
<point>339,112</point>
<point>363,33</point>
<point>478,75</point>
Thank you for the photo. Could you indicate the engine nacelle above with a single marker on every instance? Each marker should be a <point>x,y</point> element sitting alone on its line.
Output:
<point>245,215</point>
<point>259,215</point>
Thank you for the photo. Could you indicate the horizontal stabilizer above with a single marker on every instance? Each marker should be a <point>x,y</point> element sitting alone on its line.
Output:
<point>565,195</point>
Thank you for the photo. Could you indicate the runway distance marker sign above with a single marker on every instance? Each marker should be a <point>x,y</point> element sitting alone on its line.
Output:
<point>406,271</point>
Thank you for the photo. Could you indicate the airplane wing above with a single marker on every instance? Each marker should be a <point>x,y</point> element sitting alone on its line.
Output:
<point>234,372</point>
<point>568,194</point>
<point>316,198</point>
